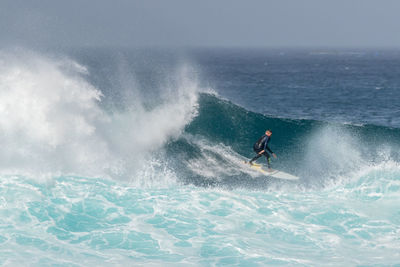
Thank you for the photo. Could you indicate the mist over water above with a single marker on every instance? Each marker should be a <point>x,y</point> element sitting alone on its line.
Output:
<point>143,161</point>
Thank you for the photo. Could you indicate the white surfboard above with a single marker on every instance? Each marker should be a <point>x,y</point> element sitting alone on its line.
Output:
<point>272,173</point>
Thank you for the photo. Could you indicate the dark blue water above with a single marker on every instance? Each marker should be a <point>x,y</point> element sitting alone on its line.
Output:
<point>135,157</point>
<point>343,86</point>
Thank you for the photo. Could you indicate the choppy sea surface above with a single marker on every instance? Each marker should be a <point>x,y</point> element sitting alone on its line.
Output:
<point>133,157</point>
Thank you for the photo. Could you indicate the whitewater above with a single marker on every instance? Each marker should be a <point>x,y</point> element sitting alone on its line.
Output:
<point>114,164</point>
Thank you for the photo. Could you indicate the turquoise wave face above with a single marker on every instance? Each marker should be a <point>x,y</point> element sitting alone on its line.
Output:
<point>77,221</point>
<point>221,121</point>
<point>213,146</point>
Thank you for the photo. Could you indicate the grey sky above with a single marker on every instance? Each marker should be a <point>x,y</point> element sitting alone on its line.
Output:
<point>201,23</point>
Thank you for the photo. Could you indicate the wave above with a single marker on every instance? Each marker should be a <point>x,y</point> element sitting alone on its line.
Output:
<point>217,141</point>
<point>55,122</point>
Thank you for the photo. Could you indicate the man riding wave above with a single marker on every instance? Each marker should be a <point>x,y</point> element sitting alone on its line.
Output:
<point>261,148</point>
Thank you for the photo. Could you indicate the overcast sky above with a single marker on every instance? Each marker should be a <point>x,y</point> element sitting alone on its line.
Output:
<point>296,23</point>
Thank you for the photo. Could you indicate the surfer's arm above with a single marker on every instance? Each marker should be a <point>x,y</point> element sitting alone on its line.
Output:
<point>269,150</point>
<point>266,147</point>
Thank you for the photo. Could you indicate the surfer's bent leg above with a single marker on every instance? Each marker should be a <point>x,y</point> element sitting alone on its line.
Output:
<point>256,157</point>
<point>268,159</point>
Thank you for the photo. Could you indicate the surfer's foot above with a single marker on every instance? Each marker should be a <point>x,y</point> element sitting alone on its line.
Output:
<point>269,169</point>
<point>251,163</point>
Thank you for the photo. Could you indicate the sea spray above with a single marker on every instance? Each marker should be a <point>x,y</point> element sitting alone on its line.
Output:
<point>52,120</point>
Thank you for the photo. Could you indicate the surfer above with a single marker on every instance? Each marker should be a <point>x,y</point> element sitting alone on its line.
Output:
<point>261,148</point>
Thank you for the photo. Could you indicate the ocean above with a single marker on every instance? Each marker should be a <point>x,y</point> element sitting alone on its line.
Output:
<point>134,157</point>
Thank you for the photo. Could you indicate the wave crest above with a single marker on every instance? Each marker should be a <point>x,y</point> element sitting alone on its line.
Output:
<point>52,119</point>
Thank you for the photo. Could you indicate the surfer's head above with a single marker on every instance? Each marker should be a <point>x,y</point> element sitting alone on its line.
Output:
<point>268,132</point>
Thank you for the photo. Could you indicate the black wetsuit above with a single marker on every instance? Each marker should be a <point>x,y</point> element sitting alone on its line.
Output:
<point>260,145</point>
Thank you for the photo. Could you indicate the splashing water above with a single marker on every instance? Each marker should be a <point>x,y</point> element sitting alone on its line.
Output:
<point>52,120</point>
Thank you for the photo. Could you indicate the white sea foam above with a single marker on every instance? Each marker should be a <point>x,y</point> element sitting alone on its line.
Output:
<point>51,120</point>
<point>217,160</point>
